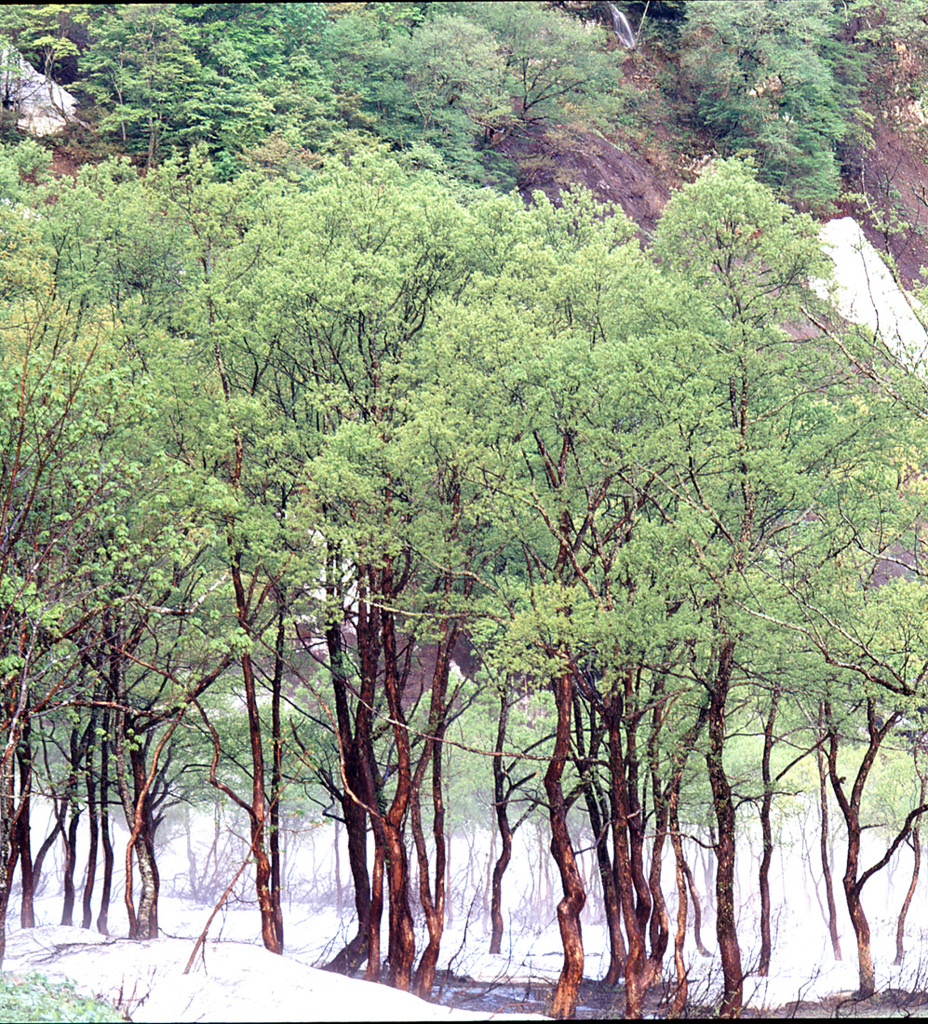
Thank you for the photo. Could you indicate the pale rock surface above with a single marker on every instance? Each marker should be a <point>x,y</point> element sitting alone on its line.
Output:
<point>44,107</point>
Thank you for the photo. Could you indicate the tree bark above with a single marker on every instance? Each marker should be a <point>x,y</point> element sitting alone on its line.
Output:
<point>433,750</point>
<point>679,996</point>
<point>501,807</point>
<point>850,808</point>
<point>23,829</point>
<point>564,1002</point>
<point>917,853</point>
<point>726,931</point>
<point>352,746</point>
<point>108,857</point>
<point>402,941</point>
<point>832,921</point>
<point>93,818</point>
<point>910,892</point>
<point>766,947</point>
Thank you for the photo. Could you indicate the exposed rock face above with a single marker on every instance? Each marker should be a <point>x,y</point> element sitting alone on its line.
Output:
<point>554,160</point>
<point>43,106</point>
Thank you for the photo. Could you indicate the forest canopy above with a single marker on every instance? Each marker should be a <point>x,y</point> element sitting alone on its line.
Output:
<point>304,407</point>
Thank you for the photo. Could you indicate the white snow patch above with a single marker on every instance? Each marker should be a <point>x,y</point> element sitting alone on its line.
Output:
<point>230,981</point>
<point>866,293</point>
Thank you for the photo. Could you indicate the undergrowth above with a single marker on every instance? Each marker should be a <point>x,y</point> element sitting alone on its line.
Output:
<point>36,1000</point>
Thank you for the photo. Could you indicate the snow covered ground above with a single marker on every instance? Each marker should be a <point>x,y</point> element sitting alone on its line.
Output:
<point>235,979</point>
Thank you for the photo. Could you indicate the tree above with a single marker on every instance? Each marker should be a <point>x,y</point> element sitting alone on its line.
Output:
<point>775,428</point>
<point>767,80</point>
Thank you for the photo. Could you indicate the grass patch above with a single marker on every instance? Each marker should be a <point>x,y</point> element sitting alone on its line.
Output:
<point>36,1000</point>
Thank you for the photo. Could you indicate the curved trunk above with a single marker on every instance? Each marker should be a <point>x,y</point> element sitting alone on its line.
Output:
<point>906,903</point>
<point>697,909</point>
<point>501,801</point>
<point>564,1002</point>
<point>917,852</point>
<point>866,975</point>
<point>850,809</point>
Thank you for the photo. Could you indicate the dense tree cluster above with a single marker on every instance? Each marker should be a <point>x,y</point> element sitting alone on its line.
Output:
<point>270,434</point>
<point>282,83</point>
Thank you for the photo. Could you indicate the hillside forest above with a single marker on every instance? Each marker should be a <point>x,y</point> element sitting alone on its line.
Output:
<point>360,468</point>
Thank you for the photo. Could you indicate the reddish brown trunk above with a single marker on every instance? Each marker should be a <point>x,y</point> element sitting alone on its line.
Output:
<point>433,908</point>
<point>636,957</point>
<point>729,950</point>
<point>373,959</point>
<point>678,998</point>
<point>660,921</point>
<point>402,942</point>
<point>268,907</point>
<point>564,1002</point>
<point>276,778</point>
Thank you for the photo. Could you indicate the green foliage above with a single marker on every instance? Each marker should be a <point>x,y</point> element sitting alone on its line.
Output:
<point>767,83</point>
<point>36,1000</point>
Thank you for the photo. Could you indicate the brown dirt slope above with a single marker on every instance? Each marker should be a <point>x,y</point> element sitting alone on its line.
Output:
<point>550,161</point>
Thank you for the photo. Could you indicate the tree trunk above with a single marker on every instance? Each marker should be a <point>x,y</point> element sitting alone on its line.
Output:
<point>352,747</point>
<point>678,999</point>
<point>730,951</point>
<point>108,857</point>
<point>850,808</point>
<point>147,914</point>
<point>832,921</point>
<point>23,829</point>
<point>900,923</point>
<point>564,1002</point>
<point>917,852</point>
<point>277,776</point>
<point>697,909</point>
<point>402,941</point>
<point>766,947</point>
<point>93,816</point>
<point>501,807</point>
<point>70,855</point>
<point>376,916</point>
<point>433,750</point>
